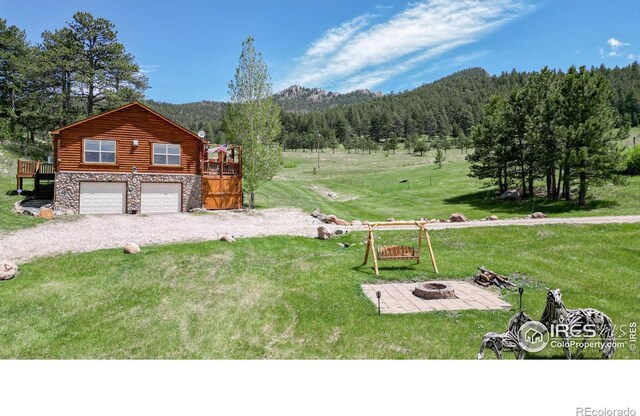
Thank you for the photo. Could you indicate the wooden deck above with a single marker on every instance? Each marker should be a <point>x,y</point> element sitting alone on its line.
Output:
<point>42,174</point>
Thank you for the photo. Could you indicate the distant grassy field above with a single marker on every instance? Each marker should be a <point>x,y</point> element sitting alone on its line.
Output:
<point>369,187</point>
<point>302,300</point>
<point>634,132</point>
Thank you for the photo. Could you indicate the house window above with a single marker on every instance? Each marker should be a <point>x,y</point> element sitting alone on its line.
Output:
<point>99,151</point>
<point>166,154</point>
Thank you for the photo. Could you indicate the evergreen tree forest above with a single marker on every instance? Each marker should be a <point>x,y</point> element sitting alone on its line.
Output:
<point>558,128</point>
<point>74,72</point>
<point>445,109</point>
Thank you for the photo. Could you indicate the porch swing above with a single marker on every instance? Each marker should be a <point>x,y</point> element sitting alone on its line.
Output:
<point>398,252</point>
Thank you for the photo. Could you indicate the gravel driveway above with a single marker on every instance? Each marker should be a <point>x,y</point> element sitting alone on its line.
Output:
<point>90,232</point>
<point>95,232</point>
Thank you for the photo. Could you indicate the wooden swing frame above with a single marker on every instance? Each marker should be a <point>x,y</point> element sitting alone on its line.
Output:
<point>422,233</point>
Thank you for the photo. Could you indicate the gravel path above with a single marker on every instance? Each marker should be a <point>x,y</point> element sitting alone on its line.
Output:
<point>91,233</point>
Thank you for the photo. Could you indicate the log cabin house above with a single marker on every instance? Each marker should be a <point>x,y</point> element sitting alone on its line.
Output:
<point>134,160</point>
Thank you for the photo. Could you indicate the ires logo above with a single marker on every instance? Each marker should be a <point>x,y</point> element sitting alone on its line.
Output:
<point>572,331</point>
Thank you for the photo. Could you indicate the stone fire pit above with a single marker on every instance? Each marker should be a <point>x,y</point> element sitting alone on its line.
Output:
<point>434,291</point>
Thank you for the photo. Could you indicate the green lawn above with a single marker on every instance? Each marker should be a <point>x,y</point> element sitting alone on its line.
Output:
<point>368,187</point>
<point>9,220</point>
<point>292,297</point>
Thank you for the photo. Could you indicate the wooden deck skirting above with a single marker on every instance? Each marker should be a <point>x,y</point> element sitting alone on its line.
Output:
<point>222,177</point>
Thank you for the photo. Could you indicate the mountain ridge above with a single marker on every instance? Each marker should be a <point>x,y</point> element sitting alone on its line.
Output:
<point>448,105</point>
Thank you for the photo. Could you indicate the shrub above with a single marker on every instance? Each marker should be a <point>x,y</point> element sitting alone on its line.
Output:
<point>633,161</point>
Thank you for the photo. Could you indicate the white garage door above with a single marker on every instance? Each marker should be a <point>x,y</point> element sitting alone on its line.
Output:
<point>161,197</point>
<point>102,197</point>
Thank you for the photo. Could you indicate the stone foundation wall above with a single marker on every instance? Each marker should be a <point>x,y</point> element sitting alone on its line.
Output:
<point>67,188</point>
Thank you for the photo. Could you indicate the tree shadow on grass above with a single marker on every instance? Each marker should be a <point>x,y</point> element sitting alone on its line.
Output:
<point>486,201</point>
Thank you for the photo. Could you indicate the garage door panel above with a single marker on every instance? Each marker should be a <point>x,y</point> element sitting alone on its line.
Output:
<point>102,197</point>
<point>161,197</point>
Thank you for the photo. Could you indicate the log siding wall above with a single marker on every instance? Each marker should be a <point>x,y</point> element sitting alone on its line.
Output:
<point>125,125</point>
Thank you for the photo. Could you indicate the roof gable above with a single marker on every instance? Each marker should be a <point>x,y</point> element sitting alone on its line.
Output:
<point>133,104</point>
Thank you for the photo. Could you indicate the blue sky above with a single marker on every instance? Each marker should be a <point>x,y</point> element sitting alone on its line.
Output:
<point>189,49</point>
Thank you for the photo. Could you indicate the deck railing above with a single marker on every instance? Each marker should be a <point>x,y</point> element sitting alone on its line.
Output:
<point>211,168</point>
<point>46,169</point>
<point>27,168</point>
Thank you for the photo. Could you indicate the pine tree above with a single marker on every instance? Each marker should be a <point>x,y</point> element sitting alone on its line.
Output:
<point>439,158</point>
<point>342,130</point>
<point>13,51</point>
<point>492,156</point>
<point>104,69</point>
<point>421,146</point>
<point>587,119</point>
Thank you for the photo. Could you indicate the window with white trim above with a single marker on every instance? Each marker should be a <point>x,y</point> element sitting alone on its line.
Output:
<point>166,154</point>
<point>99,151</point>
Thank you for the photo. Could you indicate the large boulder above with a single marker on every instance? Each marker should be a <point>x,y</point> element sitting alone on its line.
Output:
<point>316,213</point>
<point>510,194</point>
<point>538,215</point>
<point>493,218</point>
<point>227,238</point>
<point>131,248</point>
<point>458,218</point>
<point>46,213</point>
<point>324,233</point>
<point>8,270</point>
<point>341,222</point>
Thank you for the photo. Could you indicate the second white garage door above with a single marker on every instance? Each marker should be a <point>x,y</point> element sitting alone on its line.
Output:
<point>161,197</point>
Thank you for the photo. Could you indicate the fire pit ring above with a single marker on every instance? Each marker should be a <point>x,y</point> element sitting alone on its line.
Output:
<point>434,291</point>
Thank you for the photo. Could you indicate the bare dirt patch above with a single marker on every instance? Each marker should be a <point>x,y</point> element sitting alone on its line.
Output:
<point>332,195</point>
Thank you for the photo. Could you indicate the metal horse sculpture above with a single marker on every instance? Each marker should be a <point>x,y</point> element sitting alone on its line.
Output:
<point>508,341</point>
<point>578,322</point>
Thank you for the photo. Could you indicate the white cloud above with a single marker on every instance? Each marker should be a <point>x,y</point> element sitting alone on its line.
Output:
<point>614,48</point>
<point>615,43</point>
<point>335,38</point>
<point>146,69</point>
<point>357,54</point>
